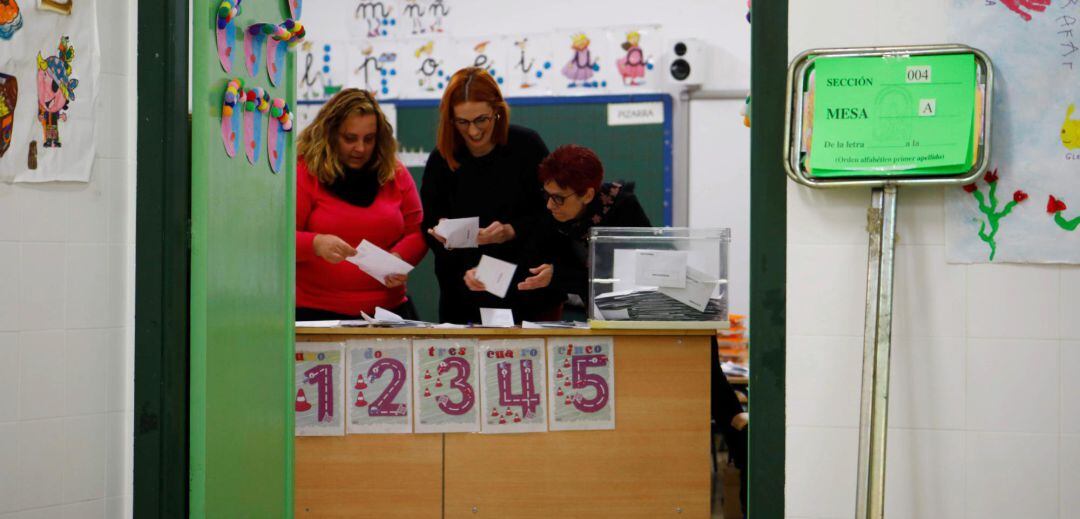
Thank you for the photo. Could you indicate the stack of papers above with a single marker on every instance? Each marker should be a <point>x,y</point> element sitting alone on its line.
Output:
<point>652,304</point>
<point>460,233</point>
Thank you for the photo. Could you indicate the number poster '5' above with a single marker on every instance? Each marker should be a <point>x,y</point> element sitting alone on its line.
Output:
<point>378,386</point>
<point>513,393</point>
<point>581,388</point>
<point>444,386</point>
<point>318,379</point>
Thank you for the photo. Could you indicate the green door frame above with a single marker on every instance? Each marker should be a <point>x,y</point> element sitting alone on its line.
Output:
<point>768,258</point>
<point>162,259</point>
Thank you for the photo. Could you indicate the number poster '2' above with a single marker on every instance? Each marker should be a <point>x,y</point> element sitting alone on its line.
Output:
<point>445,389</point>
<point>513,392</point>
<point>318,378</point>
<point>378,386</point>
<point>581,389</point>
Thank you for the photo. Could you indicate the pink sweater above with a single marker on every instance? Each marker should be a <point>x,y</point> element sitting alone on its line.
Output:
<point>392,222</point>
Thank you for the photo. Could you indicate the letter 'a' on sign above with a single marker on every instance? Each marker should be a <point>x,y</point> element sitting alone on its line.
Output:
<point>888,115</point>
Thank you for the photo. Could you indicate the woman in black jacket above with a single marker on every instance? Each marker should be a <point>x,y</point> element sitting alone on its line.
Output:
<point>483,167</point>
<point>577,199</point>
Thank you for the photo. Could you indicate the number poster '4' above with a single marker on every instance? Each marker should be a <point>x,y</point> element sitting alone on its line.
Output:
<point>513,393</point>
<point>318,378</point>
<point>444,386</point>
<point>378,385</point>
<point>581,388</point>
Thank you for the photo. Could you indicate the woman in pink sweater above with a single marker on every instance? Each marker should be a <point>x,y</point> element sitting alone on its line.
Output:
<point>349,188</point>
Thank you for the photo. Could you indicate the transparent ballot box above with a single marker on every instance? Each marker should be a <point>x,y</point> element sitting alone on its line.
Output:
<point>653,277</point>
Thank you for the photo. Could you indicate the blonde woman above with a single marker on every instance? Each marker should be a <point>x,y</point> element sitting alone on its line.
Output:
<point>349,188</point>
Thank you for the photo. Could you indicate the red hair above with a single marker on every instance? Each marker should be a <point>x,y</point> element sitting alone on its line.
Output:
<point>572,166</point>
<point>476,85</point>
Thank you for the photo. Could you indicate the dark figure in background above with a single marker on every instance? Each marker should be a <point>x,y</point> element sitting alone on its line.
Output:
<point>483,167</point>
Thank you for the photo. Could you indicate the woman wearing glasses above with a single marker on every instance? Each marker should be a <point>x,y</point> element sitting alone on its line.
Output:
<point>483,167</point>
<point>351,188</point>
<point>578,199</point>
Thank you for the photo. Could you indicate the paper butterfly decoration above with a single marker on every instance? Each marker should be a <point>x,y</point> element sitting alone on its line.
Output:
<point>232,110</point>
<point>227,12</point>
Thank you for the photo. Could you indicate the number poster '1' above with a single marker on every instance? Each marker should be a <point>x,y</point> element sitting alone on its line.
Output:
<point>581,372</point>
<point>513,392</point>
<point>318,378</point>
<point>378,386</point>
<point>445,389</point>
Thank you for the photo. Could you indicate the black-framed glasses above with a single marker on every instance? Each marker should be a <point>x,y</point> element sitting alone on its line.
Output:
<point>481,123</point>
<point>558,200</point>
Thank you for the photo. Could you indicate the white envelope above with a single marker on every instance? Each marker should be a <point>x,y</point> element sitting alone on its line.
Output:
<point>497,317</point>
<point>378,263</point>
<point>495,274</point>
<point>699,288</point>
<point>460,233</point>
<point>661,268</point>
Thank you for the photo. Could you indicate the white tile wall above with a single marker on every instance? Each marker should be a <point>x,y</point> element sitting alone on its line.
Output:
<point>1012,475</point>
<point>984,407</point>
<point>66,316</point>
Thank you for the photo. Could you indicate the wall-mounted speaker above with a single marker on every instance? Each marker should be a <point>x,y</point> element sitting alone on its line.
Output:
<point>685,60</point>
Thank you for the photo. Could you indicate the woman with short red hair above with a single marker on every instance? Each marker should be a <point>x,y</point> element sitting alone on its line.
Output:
<point>577,199</point>
<point>483,167</point>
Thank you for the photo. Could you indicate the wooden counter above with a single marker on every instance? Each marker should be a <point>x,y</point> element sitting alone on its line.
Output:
<point>656,463</point>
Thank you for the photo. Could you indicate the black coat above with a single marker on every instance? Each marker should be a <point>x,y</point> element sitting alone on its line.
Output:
<point>500,186</point>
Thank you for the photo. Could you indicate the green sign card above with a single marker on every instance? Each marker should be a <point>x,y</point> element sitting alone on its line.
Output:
<point>890,116</point>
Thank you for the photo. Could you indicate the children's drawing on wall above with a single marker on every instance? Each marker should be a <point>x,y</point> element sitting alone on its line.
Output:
<point>374,67</point>
<point>285,37</point>
<point>482,57</point>
<point>56,91</point>
<point>9,97</point>
<point>232,111</point>
<point>296,7</point>
<point>1035,141</point>
<point>430,76</point>
<point>375,19</point>
<point>437,11</point>
<point>583,65</point>
<point>1024,8</point>
<point>227,12</point>
<point>414,12</point>
<point>633,65</point>
<point>56,6</point>
<point>530,66</point>
<point>319,70</point>
<point>10,18</point>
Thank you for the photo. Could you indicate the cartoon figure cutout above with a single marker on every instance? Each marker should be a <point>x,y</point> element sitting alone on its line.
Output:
<point>227,12</point>
<point>9,96</point>
<point>10,19</point>
<point>56,91</point>
<point>232,112</point>
<point>1070,130</point>
<point>632,66</point>
<point>581,68</point>
<point>256,104</point>
<point>281,122</point>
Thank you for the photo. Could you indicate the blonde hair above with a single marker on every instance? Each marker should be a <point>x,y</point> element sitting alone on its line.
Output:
<point>318,142</point>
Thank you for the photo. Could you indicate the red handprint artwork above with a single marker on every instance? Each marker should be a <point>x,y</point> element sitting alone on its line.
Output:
<point>1017,6</point>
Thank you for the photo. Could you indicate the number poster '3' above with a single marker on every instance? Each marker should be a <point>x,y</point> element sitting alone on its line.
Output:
<point>377,386</point>
<point>319,387</point>
<point>444,387</point>
<point>581,388</point>
<point>513,392</point>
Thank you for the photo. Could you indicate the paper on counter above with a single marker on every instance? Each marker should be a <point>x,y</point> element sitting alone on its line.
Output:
<point>497,317</point>
<point>699,288</point>
<point>661,268</point>
<point>495,274</point>
<point>378,263</point>
<point>382,314</point>
<point>460,233</point>
<point>318,324</point>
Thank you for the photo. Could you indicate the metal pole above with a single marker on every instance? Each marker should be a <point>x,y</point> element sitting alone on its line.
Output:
<point>877,341</point>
